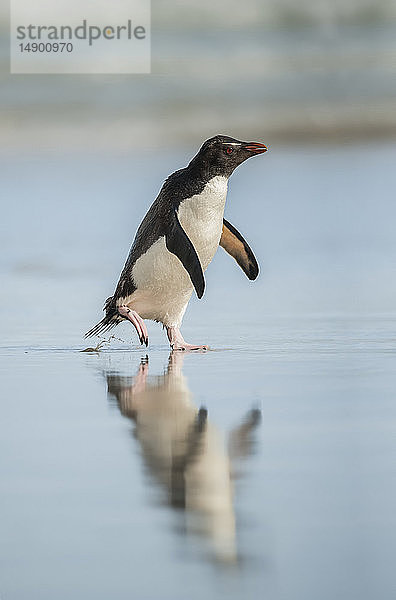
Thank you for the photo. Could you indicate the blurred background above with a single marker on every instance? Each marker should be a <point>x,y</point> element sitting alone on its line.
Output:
<point>286,70</point>
<point>310,345</point>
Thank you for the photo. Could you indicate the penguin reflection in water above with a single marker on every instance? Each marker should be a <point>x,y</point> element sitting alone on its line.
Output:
<point>177,240</point>
<point>184,452</point>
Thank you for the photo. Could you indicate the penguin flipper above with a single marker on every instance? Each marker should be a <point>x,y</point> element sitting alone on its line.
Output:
<point>237,247</point>
<point>178,242</point>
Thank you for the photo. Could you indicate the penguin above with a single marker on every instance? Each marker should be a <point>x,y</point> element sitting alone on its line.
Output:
<point>176,242</point>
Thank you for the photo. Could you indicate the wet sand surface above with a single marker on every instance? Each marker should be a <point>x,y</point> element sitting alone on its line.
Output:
<point>262,468</point>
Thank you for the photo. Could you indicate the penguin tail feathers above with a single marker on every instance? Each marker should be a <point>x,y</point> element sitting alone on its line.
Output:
<point>110,320</point>
<point>107,323</point>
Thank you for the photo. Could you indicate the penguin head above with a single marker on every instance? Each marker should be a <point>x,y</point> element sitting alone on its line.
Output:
<point>221,154</point>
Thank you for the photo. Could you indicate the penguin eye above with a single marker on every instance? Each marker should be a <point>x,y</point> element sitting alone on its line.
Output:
<point>229,150</point>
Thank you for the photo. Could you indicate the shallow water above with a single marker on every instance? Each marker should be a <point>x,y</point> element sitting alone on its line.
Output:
<point>263,468</point>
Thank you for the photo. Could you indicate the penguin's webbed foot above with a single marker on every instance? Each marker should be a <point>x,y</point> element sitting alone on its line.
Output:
<point>177,342</point>
<point>136,321</point>
<point>188,347</point>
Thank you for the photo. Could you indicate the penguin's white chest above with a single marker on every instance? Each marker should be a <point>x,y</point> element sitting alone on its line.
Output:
<point>163,285</point>
<point>201,217</point>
